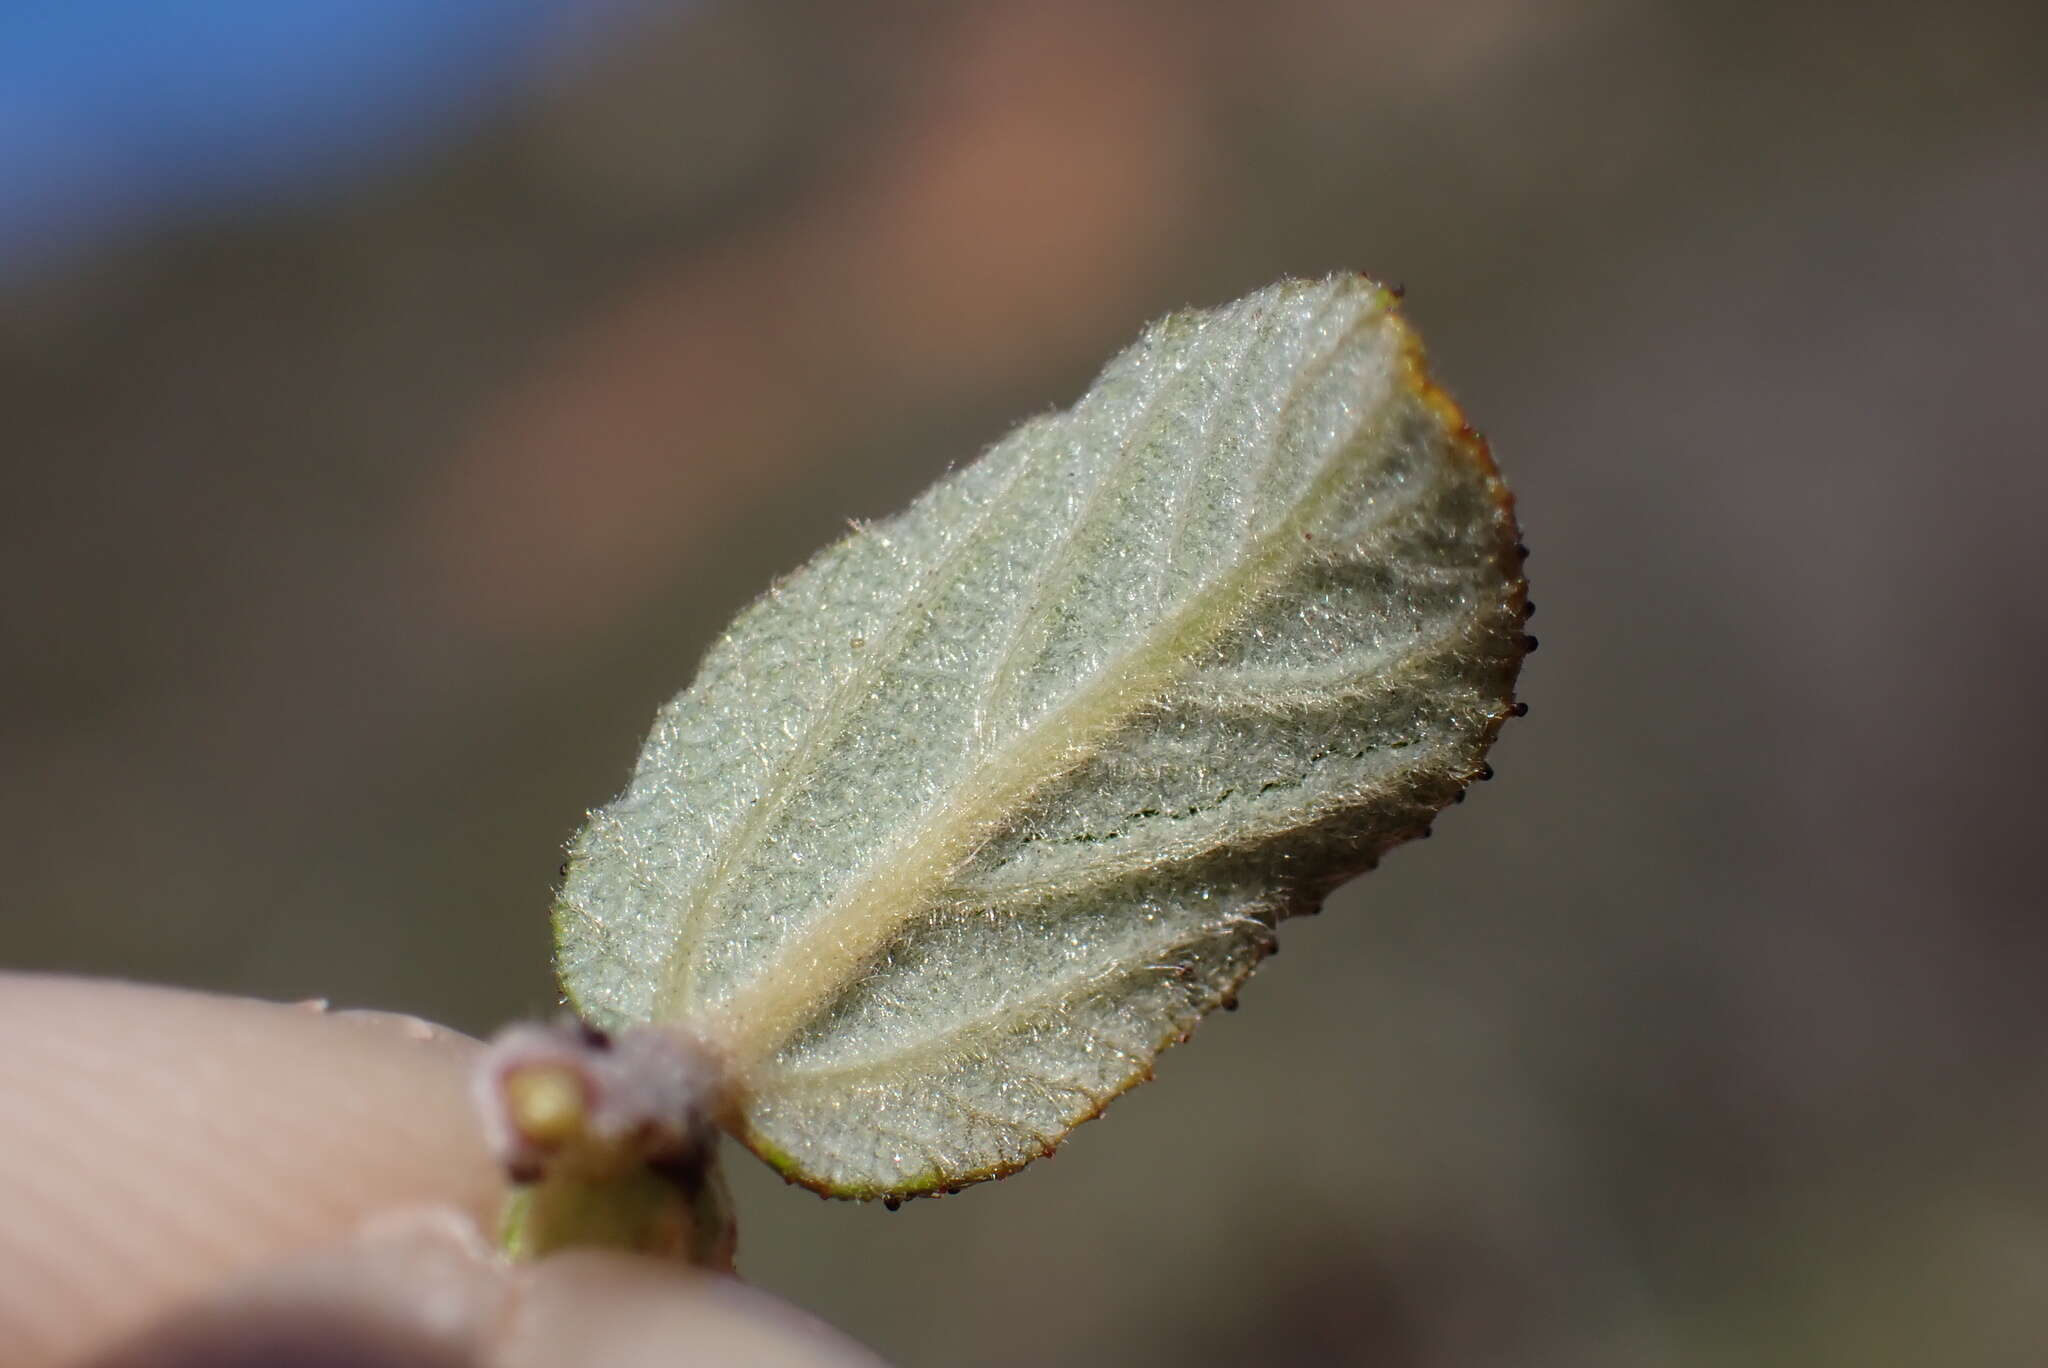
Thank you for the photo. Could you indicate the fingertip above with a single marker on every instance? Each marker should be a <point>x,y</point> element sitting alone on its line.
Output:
<point>419,1292</point>
<point>620,1311</point>
<point>425,1292</point>
<point>157,1142</point>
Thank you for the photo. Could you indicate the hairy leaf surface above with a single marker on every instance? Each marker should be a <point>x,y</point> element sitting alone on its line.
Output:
<point>965,821</point>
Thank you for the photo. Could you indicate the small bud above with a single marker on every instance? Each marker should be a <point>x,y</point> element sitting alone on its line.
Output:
<point>546,1104</point>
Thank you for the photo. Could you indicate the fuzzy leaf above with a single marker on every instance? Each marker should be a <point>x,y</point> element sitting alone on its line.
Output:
<point>964,822</point>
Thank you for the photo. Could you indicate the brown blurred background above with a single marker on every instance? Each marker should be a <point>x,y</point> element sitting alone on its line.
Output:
<point>351,543</point>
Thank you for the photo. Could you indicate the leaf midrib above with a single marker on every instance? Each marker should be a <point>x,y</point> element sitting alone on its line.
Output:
<point>769,1010</point>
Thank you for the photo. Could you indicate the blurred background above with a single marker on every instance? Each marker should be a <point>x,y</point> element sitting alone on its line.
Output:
<point>397,398</point>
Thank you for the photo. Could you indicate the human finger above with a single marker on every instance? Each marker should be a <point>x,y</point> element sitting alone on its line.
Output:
<point>425,1292</point>
<point>155,1143</point>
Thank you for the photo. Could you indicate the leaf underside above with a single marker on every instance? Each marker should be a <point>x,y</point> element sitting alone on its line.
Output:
<point>964,822</point>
